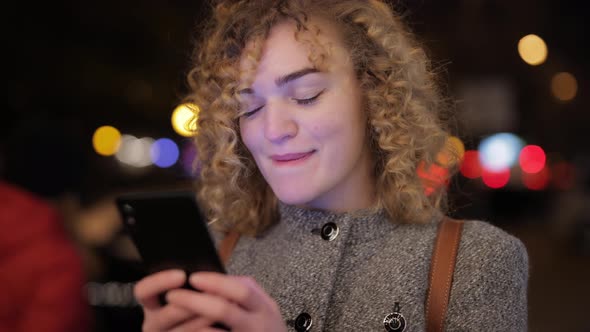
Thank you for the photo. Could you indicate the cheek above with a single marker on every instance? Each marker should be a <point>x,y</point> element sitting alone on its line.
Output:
<point>341,122</point>
<point>329,133</point>
<point>246,133</point>
<point>322,128</point>
<point>342,137</point>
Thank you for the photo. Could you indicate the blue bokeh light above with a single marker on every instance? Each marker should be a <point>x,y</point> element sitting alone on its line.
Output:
<point>164,152</point>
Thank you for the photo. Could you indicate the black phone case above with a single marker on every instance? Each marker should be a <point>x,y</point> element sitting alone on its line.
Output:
<point>169,231</point>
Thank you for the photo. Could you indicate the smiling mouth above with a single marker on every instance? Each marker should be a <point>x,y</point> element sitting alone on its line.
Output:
<point>291,158</point>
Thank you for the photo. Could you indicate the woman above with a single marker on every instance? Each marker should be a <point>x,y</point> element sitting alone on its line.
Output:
<point>315,116</point>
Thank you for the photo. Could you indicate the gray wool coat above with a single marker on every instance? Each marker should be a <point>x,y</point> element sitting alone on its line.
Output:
<point>350,279</point>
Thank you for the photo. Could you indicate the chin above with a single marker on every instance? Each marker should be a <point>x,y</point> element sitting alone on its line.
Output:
<point>294,196</point>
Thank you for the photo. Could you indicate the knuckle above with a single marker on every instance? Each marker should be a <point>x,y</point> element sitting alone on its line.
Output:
<point>252,285</point>
<point>250,281</point>
<point>138,290</point>
<point>150,323</point>
<point>223,310</point>
<point>147,326</point>
<point>158,321</point>
<point>247,290</point>
<point>242,321</point>
<point>248,293</point>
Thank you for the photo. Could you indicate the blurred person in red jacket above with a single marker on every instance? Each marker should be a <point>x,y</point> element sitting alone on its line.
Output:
<point>42,276</point>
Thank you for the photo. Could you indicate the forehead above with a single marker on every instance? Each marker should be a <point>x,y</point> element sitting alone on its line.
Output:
<point>283,52</point>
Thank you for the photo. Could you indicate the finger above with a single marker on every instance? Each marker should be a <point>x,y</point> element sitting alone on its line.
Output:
<point>211,329</point>
<point>166,317</point>
<point>209,306</point>
<point>146,291</point>
<point>242,290</point>
<point>196,324</point>
<point>256,288</point>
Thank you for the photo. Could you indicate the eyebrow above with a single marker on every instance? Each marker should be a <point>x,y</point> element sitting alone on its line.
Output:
<point>282,80</point>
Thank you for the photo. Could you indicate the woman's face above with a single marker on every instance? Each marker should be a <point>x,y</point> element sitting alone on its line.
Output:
<point>306,128</point>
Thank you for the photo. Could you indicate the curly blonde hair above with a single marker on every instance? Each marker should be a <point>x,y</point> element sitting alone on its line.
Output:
<point>401,96</point>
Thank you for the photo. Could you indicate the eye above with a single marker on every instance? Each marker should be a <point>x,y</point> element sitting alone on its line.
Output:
<point>308,100</point>
<point>252,112</point>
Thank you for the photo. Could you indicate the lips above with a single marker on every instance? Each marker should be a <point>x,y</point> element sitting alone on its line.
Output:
<point>291,156</point>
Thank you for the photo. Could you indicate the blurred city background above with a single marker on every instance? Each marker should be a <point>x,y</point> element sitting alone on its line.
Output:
<point>94,88</point>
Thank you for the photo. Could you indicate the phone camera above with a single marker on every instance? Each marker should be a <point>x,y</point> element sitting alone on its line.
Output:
<point>128,209</point>
<point>129,214</point>
<point>131,221</point>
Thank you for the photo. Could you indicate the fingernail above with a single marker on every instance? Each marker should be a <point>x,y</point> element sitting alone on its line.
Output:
<point>195,277</point>
<point>168,296</point>
<point>177,274</point>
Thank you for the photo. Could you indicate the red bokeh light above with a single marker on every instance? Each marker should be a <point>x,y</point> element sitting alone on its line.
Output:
<point>433,177</point>
<point>532,159</point>
<point>496,179</point>
<point>471,167</point>
<point>536,181</point>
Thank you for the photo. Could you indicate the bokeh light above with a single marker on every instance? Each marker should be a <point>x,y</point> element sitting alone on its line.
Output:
<point>471,167</point>
<point>532,159</point>
<point>564,86</point>
<point>106,140</point>
<point>164,152</point>
<point>184,119</point>
<point>536,181</point>
<point>495,179</point>
<point>452,152</point>
<point>499,151</point>
<point>433,177</point>
<point>135,152</point>
<point>532,49</point>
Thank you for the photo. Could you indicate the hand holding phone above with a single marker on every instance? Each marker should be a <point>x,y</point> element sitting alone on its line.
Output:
<point>170,232</point>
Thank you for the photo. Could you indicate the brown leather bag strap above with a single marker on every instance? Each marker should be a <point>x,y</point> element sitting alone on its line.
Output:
<point>441,272</point>
<point>227,246</point>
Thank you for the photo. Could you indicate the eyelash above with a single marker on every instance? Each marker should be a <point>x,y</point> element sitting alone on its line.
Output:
<point>309,100</point>
<point>299,101</point>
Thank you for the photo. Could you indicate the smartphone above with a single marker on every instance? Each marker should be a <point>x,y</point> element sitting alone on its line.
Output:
<point>169,231</point>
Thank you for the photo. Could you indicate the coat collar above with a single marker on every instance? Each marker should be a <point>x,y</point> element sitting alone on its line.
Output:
<point>359,226</point>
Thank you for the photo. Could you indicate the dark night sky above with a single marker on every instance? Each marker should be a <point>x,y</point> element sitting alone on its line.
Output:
<point>73,66</point>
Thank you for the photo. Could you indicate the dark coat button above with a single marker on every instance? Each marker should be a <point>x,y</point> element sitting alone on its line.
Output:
<point>329,231</point>
<point>303,322</point>
<point>395,322</point>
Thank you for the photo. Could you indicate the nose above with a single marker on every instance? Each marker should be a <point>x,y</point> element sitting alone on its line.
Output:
<point>279,124</point>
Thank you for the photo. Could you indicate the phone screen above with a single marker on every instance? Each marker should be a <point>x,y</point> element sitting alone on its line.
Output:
<point>169,231</point>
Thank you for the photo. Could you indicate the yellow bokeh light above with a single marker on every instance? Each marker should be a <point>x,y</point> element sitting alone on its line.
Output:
<point>532,49</point>
<point>106,140</point>
<point>564,86</point>
<point>452,152</point>
<point>184,119</point>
